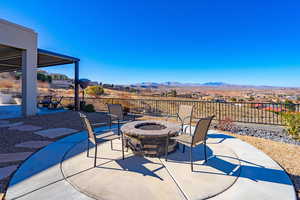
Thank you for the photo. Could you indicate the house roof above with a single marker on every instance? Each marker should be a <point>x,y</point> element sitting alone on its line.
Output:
<point>10,59</point>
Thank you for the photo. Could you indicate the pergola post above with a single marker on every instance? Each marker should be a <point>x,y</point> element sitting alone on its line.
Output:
<point>76,82</point>
<point>29,82</point>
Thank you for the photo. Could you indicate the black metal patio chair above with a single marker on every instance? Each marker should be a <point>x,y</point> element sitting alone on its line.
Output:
<point>199,137</point>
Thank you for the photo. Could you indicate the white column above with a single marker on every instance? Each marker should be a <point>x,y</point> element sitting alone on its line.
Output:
<point>29,82</point>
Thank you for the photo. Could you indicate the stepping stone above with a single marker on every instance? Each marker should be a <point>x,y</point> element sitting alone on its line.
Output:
<point>4,122</point>
<point>36,144</point>
<point>10,125</point>
<point>7,171</point>
<point>56,132</point>
<point>12,157</point>
<point>26,127</point>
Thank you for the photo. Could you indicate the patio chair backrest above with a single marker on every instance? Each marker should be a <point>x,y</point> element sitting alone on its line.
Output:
<point>60,99</point>
<point>185,112</point>
<point>89,128</point>
<point>201,130</point>
<point>47,98</point>
<point>117,110</point>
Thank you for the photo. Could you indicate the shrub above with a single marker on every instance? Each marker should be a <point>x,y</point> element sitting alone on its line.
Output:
<point>96,90</point>
<point>289,105</point>
<point>225,124</point>
<point>292,122</point>
<point>89,108</point>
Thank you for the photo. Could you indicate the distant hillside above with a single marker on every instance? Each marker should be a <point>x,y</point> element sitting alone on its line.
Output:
<point>207,84</point>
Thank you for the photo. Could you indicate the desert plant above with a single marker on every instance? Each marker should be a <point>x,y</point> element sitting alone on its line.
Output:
<point>225,124</point>
<point>95,91</point>
<point>89,108</point>
<point>289,105</point>
<point>292,123</point>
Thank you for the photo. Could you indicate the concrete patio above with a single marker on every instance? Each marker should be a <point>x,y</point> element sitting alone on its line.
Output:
<point>235,170</point>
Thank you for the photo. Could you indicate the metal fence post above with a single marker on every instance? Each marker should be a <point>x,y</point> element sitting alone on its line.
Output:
<point>219,110</point>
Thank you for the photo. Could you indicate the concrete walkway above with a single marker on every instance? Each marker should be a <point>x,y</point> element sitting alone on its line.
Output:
<point>235,170</point>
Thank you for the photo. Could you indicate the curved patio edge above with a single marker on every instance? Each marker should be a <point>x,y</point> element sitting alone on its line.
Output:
<point>40,176</point>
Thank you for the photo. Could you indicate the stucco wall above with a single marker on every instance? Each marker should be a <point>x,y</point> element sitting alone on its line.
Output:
<point>20,37</point>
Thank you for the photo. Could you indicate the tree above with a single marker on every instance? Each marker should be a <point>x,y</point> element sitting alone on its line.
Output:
<point>44,77</point>
<point>289,105</point>
<point>233,99</point>
<point>95,90</point>
<point>173,93</point>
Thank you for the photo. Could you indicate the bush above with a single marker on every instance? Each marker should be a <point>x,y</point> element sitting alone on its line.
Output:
<point>292,122</point>
<point>225,124</point>
<point>96,90</point>
<point>89,108</point>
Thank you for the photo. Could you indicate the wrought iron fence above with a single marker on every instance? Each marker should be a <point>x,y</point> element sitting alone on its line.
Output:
<point>260,113</point>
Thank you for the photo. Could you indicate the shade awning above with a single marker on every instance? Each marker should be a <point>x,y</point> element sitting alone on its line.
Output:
<point>10,59</point>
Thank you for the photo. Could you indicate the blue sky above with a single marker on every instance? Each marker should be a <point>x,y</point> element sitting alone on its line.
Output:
<point>238,42</point>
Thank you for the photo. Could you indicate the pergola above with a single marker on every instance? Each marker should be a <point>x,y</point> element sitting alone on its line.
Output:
<point>19,52</point>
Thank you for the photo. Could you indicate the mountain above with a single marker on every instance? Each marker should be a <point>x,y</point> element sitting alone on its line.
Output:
<point>207,84</point>
<point>215,84</point>
<point>177,84</point>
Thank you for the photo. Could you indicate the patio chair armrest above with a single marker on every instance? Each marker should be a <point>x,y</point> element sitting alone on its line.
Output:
<point>113,116</point>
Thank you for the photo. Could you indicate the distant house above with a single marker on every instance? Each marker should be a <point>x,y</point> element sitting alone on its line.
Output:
<point>62,84</point>
<point>93,83</point>
<point>275,109</point>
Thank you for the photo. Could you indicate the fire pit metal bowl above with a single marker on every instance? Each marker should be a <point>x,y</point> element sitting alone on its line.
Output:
<point>148,138</point>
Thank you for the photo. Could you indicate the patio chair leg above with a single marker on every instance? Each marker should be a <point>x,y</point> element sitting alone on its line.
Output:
<point>118,127</point>
<point>166,149</point>
<point>126,145</point>
<point>88,148</point>
<point>191,158</point>
<point>110,123</point>
<point>95,158</point>
<point>183,148</point>
<point>205,156</point>
<point>111,145</point>
<point>122,147</point>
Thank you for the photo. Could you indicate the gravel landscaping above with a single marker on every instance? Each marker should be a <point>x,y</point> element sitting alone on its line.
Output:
<point>271,132</point>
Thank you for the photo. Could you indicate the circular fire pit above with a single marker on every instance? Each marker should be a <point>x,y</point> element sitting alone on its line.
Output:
<point>148,138</point>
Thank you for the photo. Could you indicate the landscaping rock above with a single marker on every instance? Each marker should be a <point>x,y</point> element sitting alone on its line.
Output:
<point>271,132</point>
<point>56,132</point>
<point>26,127</point>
